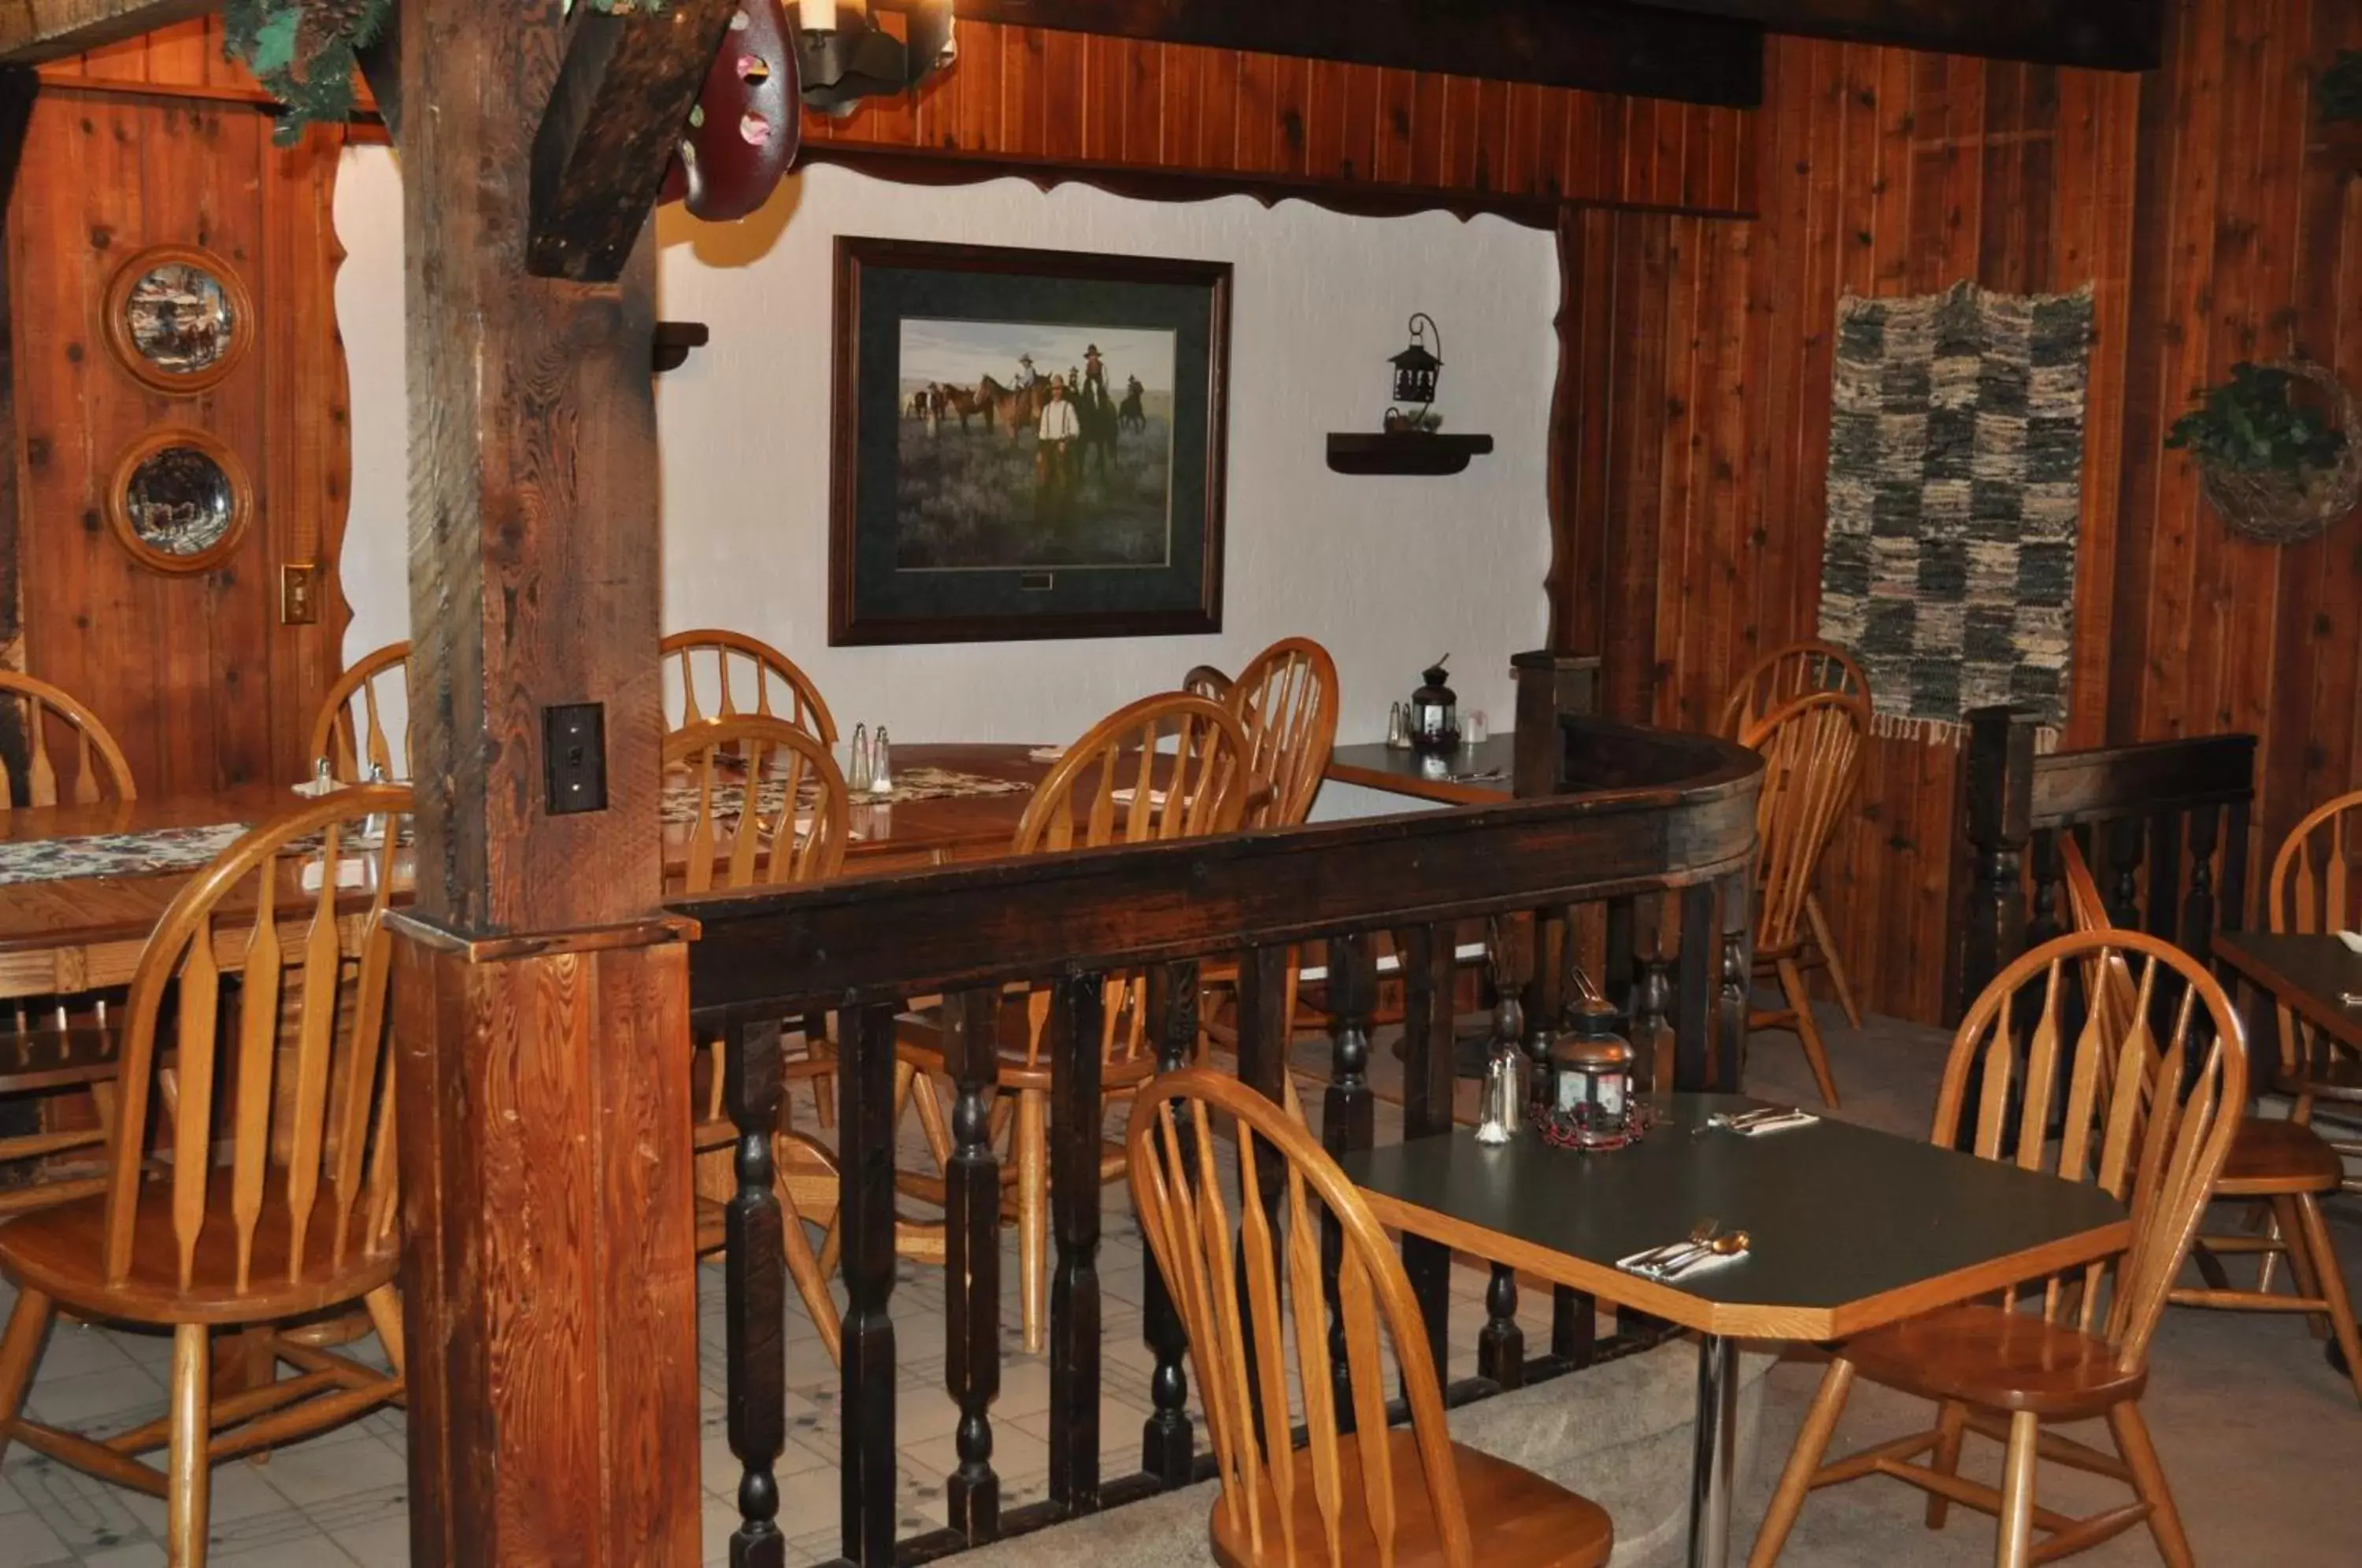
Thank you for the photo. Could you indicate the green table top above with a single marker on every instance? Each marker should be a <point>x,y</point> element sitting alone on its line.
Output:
<point>2307,972</point>
<point>1850,1228</point>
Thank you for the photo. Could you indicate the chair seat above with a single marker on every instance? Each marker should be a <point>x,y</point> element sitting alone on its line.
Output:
<point>918,1045</point>
<point>57,1251</point>
<point>51,1057</point>
<point>2273,1156</point>
<point>1998,1359</point>
<point>1514,1518</point>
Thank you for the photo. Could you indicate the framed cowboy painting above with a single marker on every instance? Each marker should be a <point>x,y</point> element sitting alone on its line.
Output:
<point>1027,443</point>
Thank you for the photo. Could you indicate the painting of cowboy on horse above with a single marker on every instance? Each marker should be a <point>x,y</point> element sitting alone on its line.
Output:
<point>1004,460</point>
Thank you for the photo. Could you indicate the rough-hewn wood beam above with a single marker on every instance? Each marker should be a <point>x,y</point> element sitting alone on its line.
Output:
<point>2107,35</point>
<point>614,120</point>
<point>35,30</point>
<point>1561,43</point>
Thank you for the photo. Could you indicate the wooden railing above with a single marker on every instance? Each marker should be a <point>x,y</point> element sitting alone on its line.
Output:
<point>2163,827</point>
<point>1607,871</point>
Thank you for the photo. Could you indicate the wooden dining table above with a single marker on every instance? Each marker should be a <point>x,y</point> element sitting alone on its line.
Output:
<point>68,933</point>
<point>2309,972</point>
<point>1848,1229</point>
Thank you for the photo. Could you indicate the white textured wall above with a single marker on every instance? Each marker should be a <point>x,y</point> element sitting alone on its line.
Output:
<point>1388,572</point>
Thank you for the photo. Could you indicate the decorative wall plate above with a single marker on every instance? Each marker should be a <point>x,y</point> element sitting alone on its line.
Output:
<point>178,318</point>
<point>179,500</point>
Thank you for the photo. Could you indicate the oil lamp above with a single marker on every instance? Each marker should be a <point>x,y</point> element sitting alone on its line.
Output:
<point>1434,713</point>
<point>1590,1103</point>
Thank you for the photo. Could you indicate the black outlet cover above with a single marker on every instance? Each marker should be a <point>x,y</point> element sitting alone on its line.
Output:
<point>574,758</point>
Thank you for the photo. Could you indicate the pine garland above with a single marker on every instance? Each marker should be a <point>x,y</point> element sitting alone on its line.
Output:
<point>304,52</point>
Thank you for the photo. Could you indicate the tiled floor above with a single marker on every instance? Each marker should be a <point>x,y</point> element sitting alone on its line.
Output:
<point>341,1499</point>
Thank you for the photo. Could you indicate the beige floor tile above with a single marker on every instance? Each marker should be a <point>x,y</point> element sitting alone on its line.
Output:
<point>27,1542</point>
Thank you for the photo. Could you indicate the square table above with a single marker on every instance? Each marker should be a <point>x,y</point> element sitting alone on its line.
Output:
<point>1850,1229</point>
<point>2306,972</point>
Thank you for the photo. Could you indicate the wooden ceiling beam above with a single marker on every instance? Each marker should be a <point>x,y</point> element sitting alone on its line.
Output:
<point>614,120</point>
<point>1584,44</point>
<point>2104,34</point>
<point>35,30</point>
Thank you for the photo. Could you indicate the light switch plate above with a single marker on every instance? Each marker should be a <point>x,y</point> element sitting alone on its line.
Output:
<point>299,594</point>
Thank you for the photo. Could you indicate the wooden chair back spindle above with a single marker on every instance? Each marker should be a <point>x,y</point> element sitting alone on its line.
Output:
<point>726,675</point>
<point>1237,1331</point>
<point>772,807</point>
<point>349,729</point>
<point>1286,699</point>
<point>100,771</point>
<point>308,1161</point>
<point>1812,749</point>
<point>1785,674</point>
<point>2150,1122</point>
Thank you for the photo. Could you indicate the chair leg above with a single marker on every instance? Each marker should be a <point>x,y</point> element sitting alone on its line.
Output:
<point>1033,1214</point>
<point>1951,1423</point>
<point>20,1351</point>
<point>2316,1246</point>
<point>930,1120</point>
<point>1808,1033</point>
<point>384,1306</point>
<point>2289,1230</point>
<point>189,1484</point>
<point>2148,1479</point>
<point>2015,1547</point>
<point>810,1275</point>
<point>1804,1459</point>
<point>1821,939</point>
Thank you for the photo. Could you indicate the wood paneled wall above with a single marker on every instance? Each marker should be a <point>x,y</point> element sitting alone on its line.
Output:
<point>2196,206</point>
<point>196,674</point>
<point>1061,101</point>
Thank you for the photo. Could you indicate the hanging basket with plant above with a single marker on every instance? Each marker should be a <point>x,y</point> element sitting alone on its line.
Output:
<point>2276,467</point>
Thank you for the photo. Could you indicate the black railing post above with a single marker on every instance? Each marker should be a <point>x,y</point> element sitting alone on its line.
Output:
<point>972,1253</point>
<point>1168,1446</point>
<point>1736,903</point>
<point>1347,1121</point>
<point>865,1220</point>
<point>755,1289</point>
<point>1429,973</point>
<point>1071,1047</point>
<point>1997,807</point>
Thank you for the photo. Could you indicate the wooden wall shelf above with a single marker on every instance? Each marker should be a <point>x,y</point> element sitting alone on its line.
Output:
<point>674,339</point>
<point>1352,452</point>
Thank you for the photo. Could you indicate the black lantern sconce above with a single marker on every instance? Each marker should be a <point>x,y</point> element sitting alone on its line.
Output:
<point>1412,442</point>
<point>1416,370</point>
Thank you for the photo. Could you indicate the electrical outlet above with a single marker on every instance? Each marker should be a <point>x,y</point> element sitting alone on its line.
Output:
<point>574,758</point>
<point>299,600</point>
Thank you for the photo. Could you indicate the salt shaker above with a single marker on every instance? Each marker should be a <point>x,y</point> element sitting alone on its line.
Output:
<point>881,775</point>
<point>1502,1109</point>
<point>857,771</point>
<point>1397,731</point>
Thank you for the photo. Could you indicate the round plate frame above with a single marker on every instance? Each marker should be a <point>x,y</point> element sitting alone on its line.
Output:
<point>118,324</point>
<point>118,485</point>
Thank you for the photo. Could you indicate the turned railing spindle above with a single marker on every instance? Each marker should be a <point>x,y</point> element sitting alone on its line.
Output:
<point>972,1242</point>
<point>1347,1120</point>
<point>2124,837</point>
<point>1574,1327</point>
<point>1701,1059</point>
<point>1501,1343</point>
<point>1072,1045</point>
<point>2048,872</point>
<point>1736,903</point>
<point>1997,795</point>
<point>1168,1445</point>
<point>865,1221</point>
<point>754,1296</point>
<point>1430,976</point>
<point>2198,908</point>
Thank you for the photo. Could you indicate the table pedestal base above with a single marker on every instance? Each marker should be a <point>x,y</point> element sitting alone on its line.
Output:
<point>1715,1462</point>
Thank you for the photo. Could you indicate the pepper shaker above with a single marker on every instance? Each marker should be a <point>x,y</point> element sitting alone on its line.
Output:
<point>881,774</point>
<point>857,771</point>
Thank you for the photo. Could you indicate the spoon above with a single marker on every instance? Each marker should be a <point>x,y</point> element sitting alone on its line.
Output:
<point>1724,1246</point>
<point>1700,1234</point>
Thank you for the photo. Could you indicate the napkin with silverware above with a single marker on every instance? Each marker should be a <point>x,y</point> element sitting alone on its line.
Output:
<point>1761,1120</point>
<point>1681,1259</point>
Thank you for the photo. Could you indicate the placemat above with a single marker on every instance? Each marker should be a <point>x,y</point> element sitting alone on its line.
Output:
<point>910,784</point>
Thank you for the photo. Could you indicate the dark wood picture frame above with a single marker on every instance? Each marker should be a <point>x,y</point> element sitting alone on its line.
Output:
<point>870,600</point>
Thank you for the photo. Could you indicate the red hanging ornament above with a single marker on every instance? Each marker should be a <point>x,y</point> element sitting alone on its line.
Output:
<point>748,122</point>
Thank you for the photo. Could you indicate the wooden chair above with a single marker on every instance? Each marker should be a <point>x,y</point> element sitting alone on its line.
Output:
<point>54,1044</point>
<point>1205,680</point>
<point>2151,1126</point>
<point>1778,678</point>
<point>2281,1163</point>
<point>1167,766</point>
<point>356,742</point>
<point>100,772</point>
<point>2316,886</point>
<point>1812,755</point>
<point>1286,699</point>
<point>276,1196</point>
<point>1422,1499</point>
<point>731,668</point>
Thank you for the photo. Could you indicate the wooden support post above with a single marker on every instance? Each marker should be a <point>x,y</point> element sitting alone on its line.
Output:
<point>541,1005</point>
